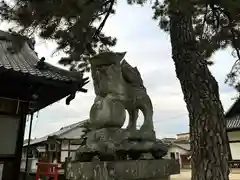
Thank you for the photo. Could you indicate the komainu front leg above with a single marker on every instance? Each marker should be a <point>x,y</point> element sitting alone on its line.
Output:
<point>133,116</point>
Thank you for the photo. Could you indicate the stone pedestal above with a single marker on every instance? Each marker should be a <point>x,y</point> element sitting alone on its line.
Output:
<point>115,144</point>
<point>122,170</point>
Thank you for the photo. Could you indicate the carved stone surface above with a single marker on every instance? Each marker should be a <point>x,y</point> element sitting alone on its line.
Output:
<point>106,112</point>
<point>117,81</point>
<point>124,170</point>
<point>116,144</point>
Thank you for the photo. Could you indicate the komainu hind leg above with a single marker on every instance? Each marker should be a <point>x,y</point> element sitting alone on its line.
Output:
<point>147,110</point>
<point>133,116</point>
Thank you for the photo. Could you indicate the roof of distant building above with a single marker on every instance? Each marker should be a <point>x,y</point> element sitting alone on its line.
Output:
<point>58,133</point>
<point>183,146</point>
<point>182,141</point>
<point>168,139</point>
<point>233,116</point>
<point>234,110</point>
<point>233,123</point>
<point>185,133</point>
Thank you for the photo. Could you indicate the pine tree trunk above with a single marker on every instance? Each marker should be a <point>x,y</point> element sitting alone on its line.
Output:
<point>207,125</point>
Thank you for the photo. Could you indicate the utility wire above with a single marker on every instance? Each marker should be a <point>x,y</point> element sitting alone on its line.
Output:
<point>171,118</point>
<point>35,125</point>
<point>181,115</point>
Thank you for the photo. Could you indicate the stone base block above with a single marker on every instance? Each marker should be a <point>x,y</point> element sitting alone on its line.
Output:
<point>114,144</point>
<point>122,170</point>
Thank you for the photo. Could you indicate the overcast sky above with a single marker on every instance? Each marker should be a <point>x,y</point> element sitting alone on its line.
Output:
<point>149,49</point>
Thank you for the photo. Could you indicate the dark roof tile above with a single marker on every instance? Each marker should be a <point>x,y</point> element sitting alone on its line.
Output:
<point>25,61</point>
<point>233,110</point>
<point>58,133</point>
<point>183,146</point>
<point>233,123</point>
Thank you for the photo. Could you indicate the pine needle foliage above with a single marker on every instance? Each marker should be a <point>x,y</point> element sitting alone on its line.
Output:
<point>74,24</point>
<point>216,24</point>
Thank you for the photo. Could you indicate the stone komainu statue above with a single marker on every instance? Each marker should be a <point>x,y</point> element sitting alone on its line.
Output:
<point>117,83</point>
<point>137,97</point>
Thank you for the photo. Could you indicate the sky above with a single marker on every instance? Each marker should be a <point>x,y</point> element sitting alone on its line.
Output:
<point>149,49</point>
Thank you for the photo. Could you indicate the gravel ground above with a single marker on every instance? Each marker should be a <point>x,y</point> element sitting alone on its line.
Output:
<point>186,175</point>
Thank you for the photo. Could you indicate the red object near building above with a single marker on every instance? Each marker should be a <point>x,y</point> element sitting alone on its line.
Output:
<point>48,170</point>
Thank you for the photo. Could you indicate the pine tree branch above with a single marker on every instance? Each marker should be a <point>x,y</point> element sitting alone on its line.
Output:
<point>204,23</point>
<point>98,31</point>
<point>232,30</point>
<point>232,75</point>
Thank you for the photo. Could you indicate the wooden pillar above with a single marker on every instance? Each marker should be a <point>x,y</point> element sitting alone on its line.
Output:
<point>69,143</point>
<point>180,161</point>
<point>19,147</point>
<point>228,148</point>
<point>60,151</point>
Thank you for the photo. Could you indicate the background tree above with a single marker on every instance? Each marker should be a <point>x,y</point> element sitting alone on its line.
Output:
<point>197,29</point>
<point>75,25</point>
<point>190,52</point>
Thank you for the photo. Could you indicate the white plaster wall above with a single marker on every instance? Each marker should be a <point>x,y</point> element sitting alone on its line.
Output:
<point>64,154</point>
<point>234,136</point>
<point>65,145</point>
<point>175,150</point>
<point>234,147</point>
<point>32,164</point>
<point>235,151</point>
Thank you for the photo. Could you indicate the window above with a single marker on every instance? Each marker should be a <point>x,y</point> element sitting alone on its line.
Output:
<point>52,147</point>
<point>235,148</point>
<point>172,155</point>
<point>30,153</point>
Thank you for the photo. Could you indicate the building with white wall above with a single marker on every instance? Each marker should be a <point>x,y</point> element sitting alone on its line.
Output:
<point>234,143</point>
<point>233,132</point>
<point>179,149</point>
<point>180,152</point>
<point>57,145</point>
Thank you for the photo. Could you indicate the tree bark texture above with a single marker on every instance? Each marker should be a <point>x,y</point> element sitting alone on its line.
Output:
<point>208,138</point>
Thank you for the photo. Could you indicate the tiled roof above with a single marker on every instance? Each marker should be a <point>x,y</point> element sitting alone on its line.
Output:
<point>185,146</point>
<point>182,141</point>
<point>168,140</point>
<point>25,61</point>
<point>232,116</point>
<point>234,110</point>
<point>58,133</point>
<point>233,123</point>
